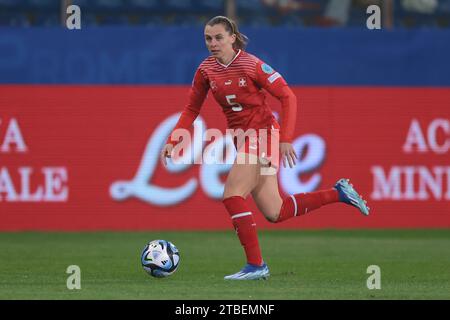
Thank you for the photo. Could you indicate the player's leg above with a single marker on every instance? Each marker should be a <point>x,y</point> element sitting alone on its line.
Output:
<point>241,180</point>
<point>276,209</point>
<point>267,197</point>
<point>243,176</point>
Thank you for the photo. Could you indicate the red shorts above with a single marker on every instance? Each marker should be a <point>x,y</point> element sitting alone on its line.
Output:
<point>262,144</point>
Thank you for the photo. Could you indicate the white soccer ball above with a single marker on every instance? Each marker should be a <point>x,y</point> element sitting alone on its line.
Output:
<point>160,258</point>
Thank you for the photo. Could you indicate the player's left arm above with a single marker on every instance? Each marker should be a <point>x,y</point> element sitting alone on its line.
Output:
<point>274,83</point>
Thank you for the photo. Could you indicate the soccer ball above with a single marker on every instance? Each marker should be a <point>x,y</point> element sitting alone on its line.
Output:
<point>160,258</point>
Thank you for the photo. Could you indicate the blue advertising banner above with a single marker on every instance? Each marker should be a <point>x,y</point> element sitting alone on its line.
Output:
<point>170,55</point>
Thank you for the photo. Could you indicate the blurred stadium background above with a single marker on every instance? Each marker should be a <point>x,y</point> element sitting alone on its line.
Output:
<point>293,13</point>
<point>84,113</point>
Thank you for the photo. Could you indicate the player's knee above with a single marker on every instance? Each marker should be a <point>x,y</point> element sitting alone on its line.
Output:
<point>236,188</point>
<point>230,192</point>
<point>231,189</point>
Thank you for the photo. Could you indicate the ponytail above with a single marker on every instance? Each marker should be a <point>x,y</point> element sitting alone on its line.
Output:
<point>232,28</point>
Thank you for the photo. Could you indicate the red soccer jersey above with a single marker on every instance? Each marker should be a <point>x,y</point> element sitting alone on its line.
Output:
<point>237,87</point>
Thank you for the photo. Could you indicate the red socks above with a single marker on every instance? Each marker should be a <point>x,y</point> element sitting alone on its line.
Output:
<point>245,227</point>
<point>302,203</point>
<point>295,205</point>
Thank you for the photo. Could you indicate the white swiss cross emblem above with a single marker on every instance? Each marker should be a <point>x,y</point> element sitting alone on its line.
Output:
<point>242,82</point>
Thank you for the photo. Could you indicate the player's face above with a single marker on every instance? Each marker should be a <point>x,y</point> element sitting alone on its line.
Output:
<point>219,41</point>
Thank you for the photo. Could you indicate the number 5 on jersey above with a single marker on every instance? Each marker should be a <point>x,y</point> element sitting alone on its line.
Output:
<point>234,105</point>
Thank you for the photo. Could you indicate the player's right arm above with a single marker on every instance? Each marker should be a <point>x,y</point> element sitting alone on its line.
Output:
<point>197,95</point>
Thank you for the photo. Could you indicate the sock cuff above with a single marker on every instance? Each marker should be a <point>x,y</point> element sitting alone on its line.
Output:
<point>294,202</point>
<point>235,205</point>
<point>232,198</point>
<point>288,208</point>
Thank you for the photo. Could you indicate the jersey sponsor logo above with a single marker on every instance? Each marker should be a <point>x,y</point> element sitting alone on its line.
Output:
<point>242,82</point>
<point>228,82</point>
<point>266,68</point>
<point>274,77</point>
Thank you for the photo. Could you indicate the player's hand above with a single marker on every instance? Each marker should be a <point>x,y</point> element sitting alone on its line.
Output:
<point>287,153</point>
<point>166,153</point>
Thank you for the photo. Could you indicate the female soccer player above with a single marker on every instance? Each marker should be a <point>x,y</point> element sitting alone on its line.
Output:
<point>236,79</point>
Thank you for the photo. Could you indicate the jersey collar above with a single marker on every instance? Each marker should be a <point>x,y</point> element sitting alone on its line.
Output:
<point>226,65</point>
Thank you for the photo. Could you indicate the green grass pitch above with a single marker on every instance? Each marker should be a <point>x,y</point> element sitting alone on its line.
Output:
<point>415,264</point>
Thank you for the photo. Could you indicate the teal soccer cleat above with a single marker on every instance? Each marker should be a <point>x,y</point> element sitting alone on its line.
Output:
<point>250,272</point>
<point>348,195</point>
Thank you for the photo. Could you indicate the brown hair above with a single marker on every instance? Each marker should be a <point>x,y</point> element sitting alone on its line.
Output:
<point>232,28</point>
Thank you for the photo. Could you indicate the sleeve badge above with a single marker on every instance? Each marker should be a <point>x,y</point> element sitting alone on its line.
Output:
<point>266,68</point>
